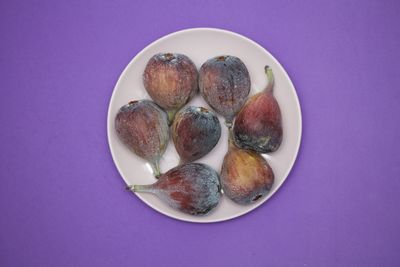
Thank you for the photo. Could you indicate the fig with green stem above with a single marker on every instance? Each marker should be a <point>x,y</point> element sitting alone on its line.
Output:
<point>192,188</point>
<point>258,125</point>
<point>143,127</point>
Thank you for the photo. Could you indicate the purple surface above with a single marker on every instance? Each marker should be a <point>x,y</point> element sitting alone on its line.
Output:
<point>62,202</point>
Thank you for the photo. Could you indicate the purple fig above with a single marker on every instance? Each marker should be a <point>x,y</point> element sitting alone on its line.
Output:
<point>195,132</point>
<point>143,127</point>
<point>192,188</point>
<point>224,83</point>
<point>245,175</point>
<point>258,125</point>
<point>171,81</point>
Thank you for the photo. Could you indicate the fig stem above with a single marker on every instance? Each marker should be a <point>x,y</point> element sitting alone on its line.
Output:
<point>231,141</point>
<point>129,187</point>
<point>139,188</point>
<point>171,115</point>
<point>155,166</point>
<point>270,77</point>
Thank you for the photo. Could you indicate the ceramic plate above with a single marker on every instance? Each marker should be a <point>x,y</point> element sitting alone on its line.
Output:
<point>199,45</point>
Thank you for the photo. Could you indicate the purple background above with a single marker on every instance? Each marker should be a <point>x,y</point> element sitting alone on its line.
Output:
<point>62,201</point>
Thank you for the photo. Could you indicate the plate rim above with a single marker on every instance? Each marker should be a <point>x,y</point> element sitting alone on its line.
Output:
<point>183,31</point>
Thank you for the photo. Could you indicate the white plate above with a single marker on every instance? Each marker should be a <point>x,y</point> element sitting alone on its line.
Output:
<point>199,45</point>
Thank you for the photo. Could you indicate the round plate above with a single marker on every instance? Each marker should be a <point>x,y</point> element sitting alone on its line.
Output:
<point>199,45</point>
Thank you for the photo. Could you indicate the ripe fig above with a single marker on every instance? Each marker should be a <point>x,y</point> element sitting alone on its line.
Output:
<point>224,83</point>
<point>143,127</point>
<point>192,188</point>
<point>171,81</point>
<point>195,132</point>
<point>245,175</point>
<point>258,125</point>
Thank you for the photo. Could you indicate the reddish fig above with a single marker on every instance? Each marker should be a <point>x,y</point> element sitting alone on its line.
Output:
<point>258,125</point>
<point>245,175</point>
<point>192,188</point>
<point>171,81</point>
<point>224,83</point>
<point>143,127</point>
<point>195,132</point>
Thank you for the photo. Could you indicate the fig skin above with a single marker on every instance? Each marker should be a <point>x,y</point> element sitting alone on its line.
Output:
<point>171,80</point>
<point>192,188</point>
<point>224,83</point>
<point>143,127</point>
<point>258,125</point>
<point>195,132</point>
<point>246,176</point>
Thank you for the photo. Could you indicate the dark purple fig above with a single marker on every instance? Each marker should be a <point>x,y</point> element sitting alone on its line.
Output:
<point>224,83</point>
<point>195,132</point>
<point>192,188</point>
<point>143,127</point>
<point>171,81</point>
<point>245,175</point>
<point>258,125</point>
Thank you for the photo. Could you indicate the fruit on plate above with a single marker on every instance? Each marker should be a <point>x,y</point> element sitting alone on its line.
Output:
<point>258,125</point>
<point>192,188</point>
<point>224,83</point>
<point>171,81</point>
<point>245,175</point>
<point>143,127</point>
<point>195,132</point>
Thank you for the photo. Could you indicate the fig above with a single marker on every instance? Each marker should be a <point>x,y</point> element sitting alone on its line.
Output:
<point>171,81</point>
<point>195,132</point>
<point>192,188</point>
<point>143,127</point>
<point>224,83</point>
<point>246,176</point>
<point>258,125</point>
